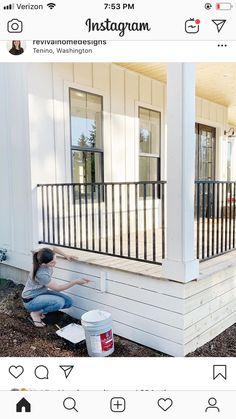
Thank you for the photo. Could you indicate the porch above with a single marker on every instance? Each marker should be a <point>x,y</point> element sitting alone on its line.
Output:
<point>128,220</point>
<point>174,307</point>
<point>169,316</point>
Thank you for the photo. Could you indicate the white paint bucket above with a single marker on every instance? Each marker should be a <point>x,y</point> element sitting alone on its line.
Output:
<point>97,325</point>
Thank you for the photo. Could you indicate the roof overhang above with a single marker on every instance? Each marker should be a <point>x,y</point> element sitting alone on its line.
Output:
<point>214,81</point>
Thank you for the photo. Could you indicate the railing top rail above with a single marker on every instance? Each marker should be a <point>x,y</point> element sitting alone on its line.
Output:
<point>216,181</point>
<point>160,182</point>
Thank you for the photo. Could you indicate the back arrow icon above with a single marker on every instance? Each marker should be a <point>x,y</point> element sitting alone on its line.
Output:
<point>219,23</point>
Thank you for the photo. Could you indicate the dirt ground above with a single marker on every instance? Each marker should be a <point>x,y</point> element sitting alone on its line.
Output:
<point>20,338</point>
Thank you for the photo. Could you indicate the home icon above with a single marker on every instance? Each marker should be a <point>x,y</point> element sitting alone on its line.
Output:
<point>23,406</point>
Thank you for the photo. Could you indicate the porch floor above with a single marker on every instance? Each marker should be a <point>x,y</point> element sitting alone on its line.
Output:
<point>207,267</point>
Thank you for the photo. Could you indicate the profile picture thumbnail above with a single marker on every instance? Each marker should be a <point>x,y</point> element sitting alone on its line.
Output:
<point>16,47</point>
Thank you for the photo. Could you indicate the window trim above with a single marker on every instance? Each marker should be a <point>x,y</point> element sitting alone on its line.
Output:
<point>65,154</point>
<point>86,149</point>
<point>150,155</point>
<point>198,126</point>
<point>160,109</point>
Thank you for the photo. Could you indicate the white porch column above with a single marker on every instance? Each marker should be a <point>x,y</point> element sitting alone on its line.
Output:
<point>180,263</point>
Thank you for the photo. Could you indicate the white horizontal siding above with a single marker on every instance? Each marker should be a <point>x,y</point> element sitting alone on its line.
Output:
<point>174,318</point>
<point>210,305</point>
<point>142,308</point>
<point>170,317</point>
<point>210,333</point>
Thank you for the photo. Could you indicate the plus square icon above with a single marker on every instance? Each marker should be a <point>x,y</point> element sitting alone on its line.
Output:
<point>117,404</point>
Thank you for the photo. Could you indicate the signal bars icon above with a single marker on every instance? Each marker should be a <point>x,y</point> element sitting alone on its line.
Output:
<point>9,7</point>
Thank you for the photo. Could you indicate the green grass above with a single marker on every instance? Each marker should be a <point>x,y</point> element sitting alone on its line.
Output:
<point>3,283</point>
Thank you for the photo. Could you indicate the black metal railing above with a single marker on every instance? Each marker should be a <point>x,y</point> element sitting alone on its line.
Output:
<point>215,218</point>
<point>118,219</point>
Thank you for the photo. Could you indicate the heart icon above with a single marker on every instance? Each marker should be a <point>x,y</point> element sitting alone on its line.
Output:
<point>16,371</point>
<point>165,404</point>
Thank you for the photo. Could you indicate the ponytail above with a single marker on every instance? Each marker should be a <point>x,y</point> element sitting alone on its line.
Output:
<point>35,264</point>
<point>44,255</point>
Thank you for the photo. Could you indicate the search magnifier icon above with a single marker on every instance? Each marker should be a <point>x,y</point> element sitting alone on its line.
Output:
<point>70,404</point>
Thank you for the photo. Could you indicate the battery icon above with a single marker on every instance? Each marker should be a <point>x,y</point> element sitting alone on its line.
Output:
<point>224,6</point>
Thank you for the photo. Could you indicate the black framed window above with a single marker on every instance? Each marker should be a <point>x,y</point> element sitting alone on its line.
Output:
<point>205,152</point>
<point>86,123</point>
<point>149,146</point>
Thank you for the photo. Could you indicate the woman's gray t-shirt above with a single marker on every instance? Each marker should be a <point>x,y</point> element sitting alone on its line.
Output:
<point>38,285</point>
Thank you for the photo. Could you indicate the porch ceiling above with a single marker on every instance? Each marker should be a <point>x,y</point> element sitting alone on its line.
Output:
<point>214,81</point>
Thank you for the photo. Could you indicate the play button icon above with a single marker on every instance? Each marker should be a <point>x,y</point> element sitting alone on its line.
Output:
<point>219,23</point>
<point>67,369</point>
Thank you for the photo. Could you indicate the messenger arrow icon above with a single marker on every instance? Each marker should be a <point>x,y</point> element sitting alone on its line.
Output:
<point>66,369</point>
<point>219,23</point>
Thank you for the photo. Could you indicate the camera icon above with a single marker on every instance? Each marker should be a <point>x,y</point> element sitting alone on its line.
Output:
<point>15,26</point>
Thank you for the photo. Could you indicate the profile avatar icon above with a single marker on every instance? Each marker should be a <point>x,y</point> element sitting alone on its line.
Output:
<point>212,404</point>
<point>16,48</point>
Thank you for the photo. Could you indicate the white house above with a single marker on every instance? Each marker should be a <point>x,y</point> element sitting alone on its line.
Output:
<point>103,157</point>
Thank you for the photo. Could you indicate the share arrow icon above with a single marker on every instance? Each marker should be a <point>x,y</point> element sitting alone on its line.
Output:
<point>219,23</point>
<point>67,369</point>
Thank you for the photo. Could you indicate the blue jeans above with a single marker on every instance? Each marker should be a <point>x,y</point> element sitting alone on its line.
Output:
<point>48,302</point>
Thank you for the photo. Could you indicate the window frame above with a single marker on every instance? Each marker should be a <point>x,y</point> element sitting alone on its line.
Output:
<point>150,155</point>
<point>86,149</point>
<point>209,128</point>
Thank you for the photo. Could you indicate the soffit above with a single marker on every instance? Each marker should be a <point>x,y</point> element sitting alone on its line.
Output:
<point>214,81</point>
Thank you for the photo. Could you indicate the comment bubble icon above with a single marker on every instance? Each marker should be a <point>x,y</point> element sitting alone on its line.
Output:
<point>41,372</point>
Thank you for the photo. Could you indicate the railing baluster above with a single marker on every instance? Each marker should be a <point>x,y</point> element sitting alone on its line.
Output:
<point>222,217</point>
<point>53,217</point>
<point>163,226</point>
<point>230,213</point>
<point>93,231</point>
<point>218,219</point>
<point>99,219</point>
<point>226,216</point>
<point>203,220</point>
<point>208,219</point>
<point>48,217</point>
<point>74,216</point>
<point>68,209</point>
<point>113,219</point>
<point>121,219</point>
<point>80,217</point>
<point>128,218</point>
<point>234,215</point>
<point>145,219</point>
<point>86,215</point>
<point>213,221</point>
<point>198,218</point>
<point>63,216</point>
<point>106,217</point>
<point>58,216</point>
<point>153,224</point>
<point>43,213</point>
<point>68,217</point>
<point>136,221</point>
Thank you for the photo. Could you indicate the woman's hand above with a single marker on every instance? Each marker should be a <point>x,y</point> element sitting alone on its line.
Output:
<point>71,257</point>
<point>82,281</point>
<point>60,252</point>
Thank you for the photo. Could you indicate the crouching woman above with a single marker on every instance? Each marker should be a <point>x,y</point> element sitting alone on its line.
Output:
<point>42,294</point>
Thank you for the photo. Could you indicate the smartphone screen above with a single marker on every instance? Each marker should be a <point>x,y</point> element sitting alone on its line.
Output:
<point>117,215</point>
